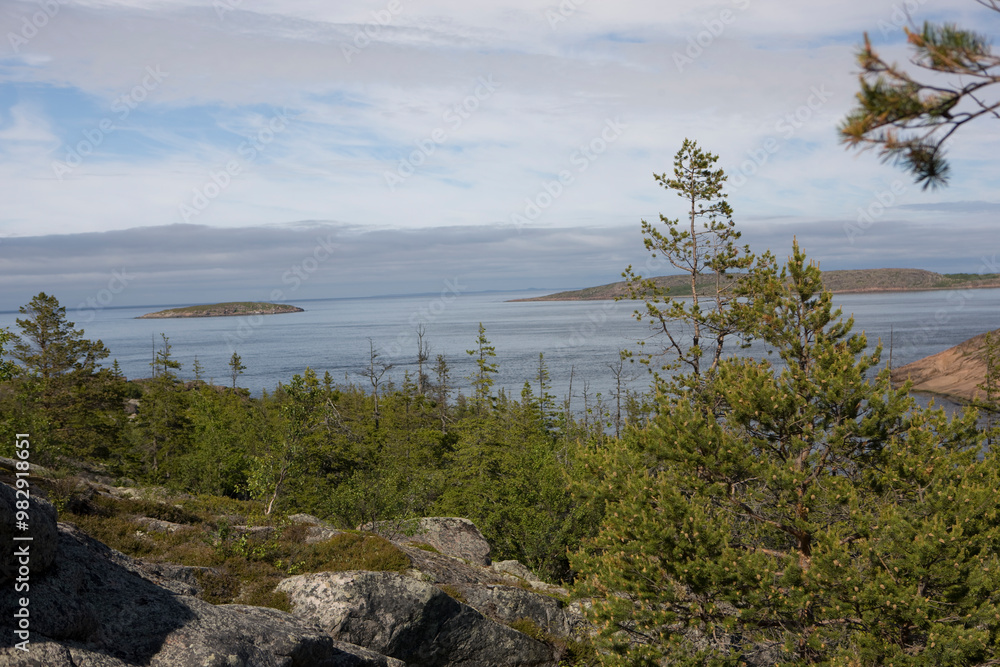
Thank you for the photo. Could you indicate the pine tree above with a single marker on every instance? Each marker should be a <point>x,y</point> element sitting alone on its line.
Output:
<point>375,371</point>
<point>49,346</point>
<point>160,430</point>
<point>482,379</point>
<point>7,368</point>
<point>703,247</point>
<point>441,389</point>
<point>989,404</point>
<point>798,513</point>
<point>423,354</point>
<point>236,367</point>
<point>72,406</point>
<point>164,361</point>
<point>908,120</point>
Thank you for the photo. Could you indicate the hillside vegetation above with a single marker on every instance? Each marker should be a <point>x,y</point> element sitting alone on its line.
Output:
<point>848,281</point>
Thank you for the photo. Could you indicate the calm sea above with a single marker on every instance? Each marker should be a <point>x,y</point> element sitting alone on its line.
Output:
<point>578,338</point>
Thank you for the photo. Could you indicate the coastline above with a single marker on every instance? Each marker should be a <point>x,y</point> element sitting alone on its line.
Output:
<point>859,290</point>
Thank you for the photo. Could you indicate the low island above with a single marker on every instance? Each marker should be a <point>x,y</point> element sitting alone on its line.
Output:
<point>231,309</point>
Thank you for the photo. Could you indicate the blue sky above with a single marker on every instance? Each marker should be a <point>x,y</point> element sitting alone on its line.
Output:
<point>468,130</point>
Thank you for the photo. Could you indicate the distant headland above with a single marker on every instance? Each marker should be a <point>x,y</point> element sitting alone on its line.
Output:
<point>231,309</point>
<point>841,282</point>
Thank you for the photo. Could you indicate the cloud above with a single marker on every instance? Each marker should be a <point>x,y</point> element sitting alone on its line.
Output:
<point>955,207</point>
<point>183,264</point>
<point>387,135</point>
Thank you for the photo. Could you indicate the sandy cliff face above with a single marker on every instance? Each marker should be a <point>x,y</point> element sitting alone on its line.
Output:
<point>956,372</point>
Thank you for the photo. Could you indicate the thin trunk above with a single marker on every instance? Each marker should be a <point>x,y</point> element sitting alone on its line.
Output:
<point>694,270</point>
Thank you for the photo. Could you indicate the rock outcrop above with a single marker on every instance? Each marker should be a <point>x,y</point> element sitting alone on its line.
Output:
<point>956,372</point>
<point>410,620</point>
<point>91,605</point>
<point>452,536</point>
<point>41,530</point>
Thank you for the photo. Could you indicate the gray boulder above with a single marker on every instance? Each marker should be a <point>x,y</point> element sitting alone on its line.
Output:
<point>97,607</point>
<point>308,520</point>
<point>508,604</point>
<point>42,530</point>
<point>516,569</point>
<point>160,526</point>
<point>410,620</point>
<point>452,536</point>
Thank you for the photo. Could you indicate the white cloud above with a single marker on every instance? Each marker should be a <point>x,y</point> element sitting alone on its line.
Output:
<point>353,122</point>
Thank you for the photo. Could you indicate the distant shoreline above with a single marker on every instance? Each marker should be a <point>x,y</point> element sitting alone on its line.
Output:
<point>230,309</point>
<point>854,281</point>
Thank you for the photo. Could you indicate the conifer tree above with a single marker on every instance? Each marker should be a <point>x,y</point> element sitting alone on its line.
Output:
<point>482,378</point>
<point>798,512</point>
<point>72,406</point>
<point>7,368</point>
<point>49,346</point>
<point>702,246</point>
<point>908,120</point>
<point>236,367</point>
<point>161,430</point>
<point>441,388</point>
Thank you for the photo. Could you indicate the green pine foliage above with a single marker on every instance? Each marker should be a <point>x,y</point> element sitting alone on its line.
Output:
<point>693,330</point>
<point>59,392</point>
<point>798,512</point>
<point>908,113</point>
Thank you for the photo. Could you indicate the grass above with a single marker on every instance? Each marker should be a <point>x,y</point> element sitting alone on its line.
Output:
<point>244,568</point>
<point>452,592</point>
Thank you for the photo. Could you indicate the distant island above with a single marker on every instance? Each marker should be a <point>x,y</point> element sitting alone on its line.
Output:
<point>841,282</point>
<point>231,309</point>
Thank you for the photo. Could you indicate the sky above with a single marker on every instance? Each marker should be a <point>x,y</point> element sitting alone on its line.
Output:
<point>173,151</point>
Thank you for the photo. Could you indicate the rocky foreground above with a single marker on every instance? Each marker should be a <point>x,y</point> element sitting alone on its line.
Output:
<point>83,603</point>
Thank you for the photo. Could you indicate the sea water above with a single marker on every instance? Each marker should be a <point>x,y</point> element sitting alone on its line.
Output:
<point>580,340</point>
